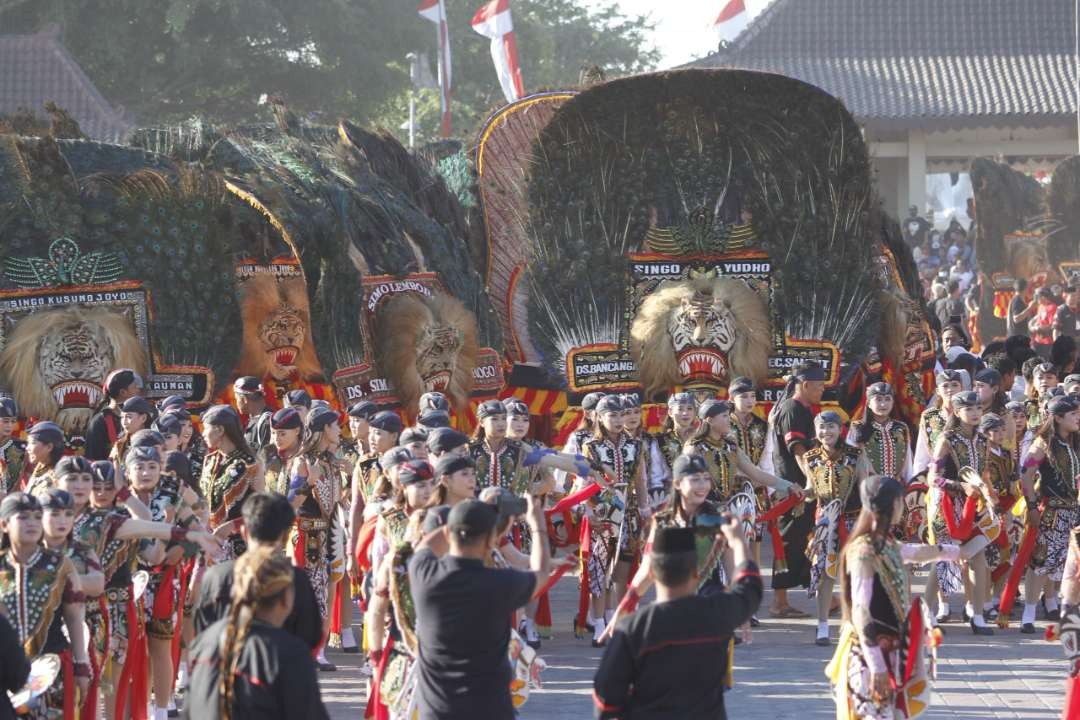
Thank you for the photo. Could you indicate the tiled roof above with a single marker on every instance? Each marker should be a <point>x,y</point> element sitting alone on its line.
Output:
<point>35,69</point>
<point>933,59</point>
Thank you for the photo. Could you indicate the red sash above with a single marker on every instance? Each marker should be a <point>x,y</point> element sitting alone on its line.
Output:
<point>966,527</point>
<point>186,568</point>
<point>583,590</point>
<point>112,431</point>
<point>134,680</point>
<point>375,709</point>
<point>67,672</point>
<point>97,663</point>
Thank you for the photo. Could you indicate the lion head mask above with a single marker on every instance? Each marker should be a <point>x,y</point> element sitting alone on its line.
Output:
<point>700,332</point>
<point>277,330</point>
<point>55,361</point>
<point>426,344</point>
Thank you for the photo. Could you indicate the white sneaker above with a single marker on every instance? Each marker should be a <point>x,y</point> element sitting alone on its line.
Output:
<point>182,678</point>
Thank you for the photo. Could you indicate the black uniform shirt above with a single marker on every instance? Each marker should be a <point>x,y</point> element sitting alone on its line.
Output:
<point>275,677</point>
<point>214,602</point>
<point>463,612</point>
<point>101,433</point>
<point>670,659</point>
<point>792,424</point>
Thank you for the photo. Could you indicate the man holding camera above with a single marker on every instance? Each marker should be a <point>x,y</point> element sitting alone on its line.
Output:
<point>464,609</point>
<point>670,659</point>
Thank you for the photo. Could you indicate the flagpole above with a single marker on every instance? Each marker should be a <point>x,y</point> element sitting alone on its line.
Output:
<point>414,72</point>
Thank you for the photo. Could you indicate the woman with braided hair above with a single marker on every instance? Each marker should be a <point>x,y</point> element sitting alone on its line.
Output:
<point>246,665</point>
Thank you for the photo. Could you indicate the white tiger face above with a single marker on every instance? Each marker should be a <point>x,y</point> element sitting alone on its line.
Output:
<point>73,359</point>
<point>702,333</point>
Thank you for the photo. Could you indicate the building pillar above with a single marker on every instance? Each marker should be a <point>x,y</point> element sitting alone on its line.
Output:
<point>916,180</point>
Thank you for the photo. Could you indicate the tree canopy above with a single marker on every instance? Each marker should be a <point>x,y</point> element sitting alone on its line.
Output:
<point>170,60</point>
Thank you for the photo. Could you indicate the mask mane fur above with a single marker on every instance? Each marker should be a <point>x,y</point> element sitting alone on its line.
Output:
<point>398,327</point>
<point>263,294</point>
<point>20,367</point>
<point>651,345</point>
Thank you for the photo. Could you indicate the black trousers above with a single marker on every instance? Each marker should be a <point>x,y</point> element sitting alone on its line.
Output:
<point>795,530</point>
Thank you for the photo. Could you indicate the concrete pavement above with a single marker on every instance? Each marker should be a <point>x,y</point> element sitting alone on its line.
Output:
<point>779,675</point>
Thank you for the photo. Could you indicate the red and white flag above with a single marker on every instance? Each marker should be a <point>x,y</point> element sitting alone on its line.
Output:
<point>732,20</point>
<point>493,20</point>
<point>435,11</point>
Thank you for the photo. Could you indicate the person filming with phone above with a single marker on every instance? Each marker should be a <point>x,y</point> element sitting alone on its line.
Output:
<point>464,608</point>
<point>671,659</point>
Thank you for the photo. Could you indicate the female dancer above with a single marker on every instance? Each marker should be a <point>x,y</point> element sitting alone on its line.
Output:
<point>618,513</point>
<point>725,460</point>
<point>109,532</point>
<point>12,450</point>
<point>678,426</point>
<point>136,414</point>
<point>390,601</point>
<point>959,513</point>
<point>286,428</point>
<point>834,470</point>
<point>455,480</point>
<point>230,472</point>
<point>932,422</point>
<point>143,469</point>
<point>314,491</point>
<point>871,679</point>
<point>657,472</point>
<point>44,448</point>
<point>886,440</point>
<point>40,589</point>
<point>1055,510</point>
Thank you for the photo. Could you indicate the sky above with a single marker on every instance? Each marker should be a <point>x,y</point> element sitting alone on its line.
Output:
<point>684,28</point>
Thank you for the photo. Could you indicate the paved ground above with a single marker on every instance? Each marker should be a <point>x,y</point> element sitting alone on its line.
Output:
<point>779,675</point>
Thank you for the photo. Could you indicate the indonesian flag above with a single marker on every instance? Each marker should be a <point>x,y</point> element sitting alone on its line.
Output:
<point>732,20</point>
<point>435,11</point>
<point>493,20</point>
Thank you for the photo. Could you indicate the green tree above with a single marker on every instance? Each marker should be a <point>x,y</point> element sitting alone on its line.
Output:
<point>555,40</point>
<point>168,60</point>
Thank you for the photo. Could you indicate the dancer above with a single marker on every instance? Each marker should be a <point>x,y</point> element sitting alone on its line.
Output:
<point>12,450</point>
<point>1003,478</point>
<point>679,425</point>
<point>960,513</point>
<point>40,589</point>
<point>727,463</point>
<point>391,600</point>
<point>44,448</point>
<point>1054,511</point>
<point>885,439</point>
<point>878,671</point>
<point>277,455</point>
<point>618,514</point>
<point>314,492</point>
<point>230,472</point>
<point>932,422</point>
<point>833,473</point>
<point>455,480</point>
<point>690,508</point>
<point>135,414</point>
<point>658,473</point>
